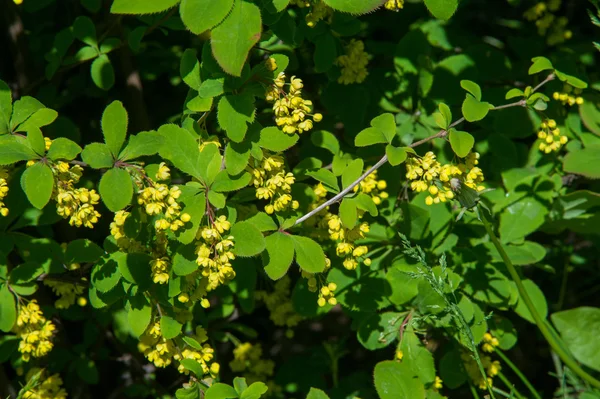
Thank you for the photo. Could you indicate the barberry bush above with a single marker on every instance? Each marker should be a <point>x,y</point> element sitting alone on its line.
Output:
<point>343,199</point>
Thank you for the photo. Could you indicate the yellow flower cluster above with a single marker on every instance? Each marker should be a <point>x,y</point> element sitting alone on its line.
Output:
<point>568,96</point>
<point>394,5</point>
<point>162,200</point>
<point>77,204</point>
<point>117,230</point>
<point>34,331</point>
<point>327,295</point>
<point>546,21</point>
<point>280,305</point>
<point>45,388</point>
<point>346,248</point>
<point>291,110</point>
<point>375,188</point>
<point>214,251</point>
<point>550,136</point>
<point>160,268</point>
<point>354,63</point>
<point>67,292</point>
<point>247,359</point>
<point>3,191</point>
<point>273,183</point>
<point>489,343</point>
<point>427,174</point>
<point>319,11</point>
<point>492,368</point>
<point>438,383</point>
<point>161,351</point>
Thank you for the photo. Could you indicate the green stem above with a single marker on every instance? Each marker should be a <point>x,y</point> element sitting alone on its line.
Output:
<point>473,390</point>
<point>516,370</point>
<point>556,347</point>
<point>510,386</point>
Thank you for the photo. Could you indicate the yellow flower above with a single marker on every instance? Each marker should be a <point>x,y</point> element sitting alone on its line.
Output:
<point>45,386</point>
<point>438,383</point>
<point>163,172</point>
<point>34,331</point>
<point>66,291</point>
<point>399,354</point>
<point>394,5</point>
<point>354,63</point>
<point>271,64</point>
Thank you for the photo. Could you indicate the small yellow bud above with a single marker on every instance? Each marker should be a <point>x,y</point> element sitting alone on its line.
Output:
<point>185,217</point>
<point>367,262</point>
<point>551,123</point>
<point>321,302</point>
<point>579,100</point>
<point>325,291</point>
<point>399,354</point>
<point>317,117</point>
<point>332,301</point>
<point>81,301</point>
<point>332,286</point>
<point>214,368</point>
<point>183,298</point>
<point>429,200</point>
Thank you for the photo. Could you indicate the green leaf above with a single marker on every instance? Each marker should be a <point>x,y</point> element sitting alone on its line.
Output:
<point>365,202</point>
<point>106,274</point>
<point>116,189</point>
<point>142,144</point>
<point>315,393</point>
<point>254,391</point>
<point>579,329</point>
<point>38,181</point>
<point>216,199</point>
<point>97,156</point>
<point>239,383</point>
<point>348,213</point>
<point>280,254</point>
<point>5,107</point>
<point>139,314</point>
<point>540,64</point>
<point>84,30</point>
<point>273,139</point>
<point>184,260</point>
<point>102,72</point>
<point>386,125</point>
<point>135,268</point>
<point>114,126</point>
<point>169,327</point>
<point>189,67</point>
<point>327,178</point>
<point>249,241</point>
<point>538,299</point>
<point>309,255</point>
<point>201,15</point>
<point>520,219</point>
<point>212,88</point>
<point>526,254</point>
<point>64,149</point>
<point>404,287</point>
<point>474,110</point>
<point>583,162</point>
<point>234,113</point>
<point>417,357</point>
<point>25,272</point>
<point>141,6</point>
<point>194,204</point>
<point>35,139</point>
<point>352,172</point>
<point>446,113</point>
<point>237,157</point>
<point>472,88</point>
<point>226,183</point>
<point>379,330</point>
<point>220,391</point>
<point>396,155</point>
<point>12,151</point>
<point>571,80</point>
<point>442,9</point>
<point>370,136</point>
<point>461,142</point>
<point>181,148</point>
<point>262,222</point>
<point>232,40</point>
<point>327,140</point>
<point>8,309</point>
<point>82,250</point>
<point>354,6</point>
<point>42,117</point>
<point>512,93</point>
<point>395,380</point>
<point>23,108</point>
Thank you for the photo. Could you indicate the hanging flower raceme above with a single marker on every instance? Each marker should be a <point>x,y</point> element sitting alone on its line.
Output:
<point>318,11</point>
<point>373,187</point>
<point>568,96</point>
<point>394,5</point>
<point>247,359</point>
<point>426,174</point>
<point>549,24</point>
<point>43,386</point>
<point>279,304</point>
<point>346,247</point>
<point>214,250</point>
<point>354,63</point>
<point>292,112</point>
<point>3,191</point>
<point>551,139</point>
<point>34,331</point>
<point>117,230</point>
<point>68,293</point>
<point>273,183</point>
<point>76,204</point>
<point>489,343</point>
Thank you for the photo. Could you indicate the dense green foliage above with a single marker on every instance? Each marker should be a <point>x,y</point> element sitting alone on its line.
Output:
<point>345,199</point>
